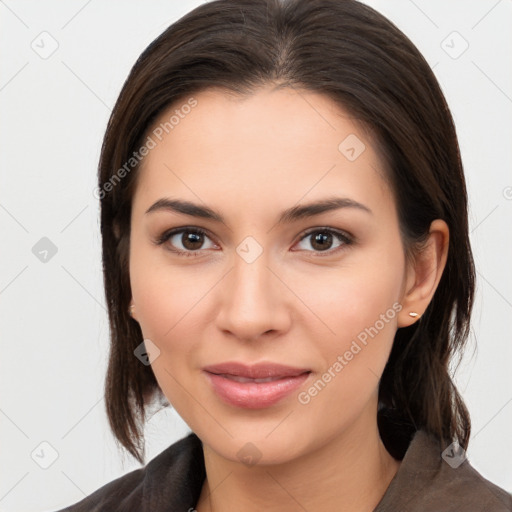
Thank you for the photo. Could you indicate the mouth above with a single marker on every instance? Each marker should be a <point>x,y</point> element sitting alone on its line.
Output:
<point>238,378</point>
<point>254,387</point>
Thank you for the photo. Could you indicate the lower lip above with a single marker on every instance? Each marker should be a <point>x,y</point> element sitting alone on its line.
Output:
<point>254,395</point>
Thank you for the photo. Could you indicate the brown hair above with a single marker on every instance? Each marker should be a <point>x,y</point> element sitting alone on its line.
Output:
<point>364,63</point>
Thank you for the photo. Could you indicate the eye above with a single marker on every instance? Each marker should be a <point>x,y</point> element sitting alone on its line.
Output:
<point>185,241</point>
<point>322,240</point>
<point>189,241</point>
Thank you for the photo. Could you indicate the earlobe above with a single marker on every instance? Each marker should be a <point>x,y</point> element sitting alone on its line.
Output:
<point>131,311</point>
<point>116,230</point>
<point>424,274</point>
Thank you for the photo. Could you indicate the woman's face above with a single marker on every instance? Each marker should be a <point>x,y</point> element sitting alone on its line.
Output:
<point>319,294</point>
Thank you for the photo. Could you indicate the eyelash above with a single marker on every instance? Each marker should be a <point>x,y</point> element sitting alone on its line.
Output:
<point>342,236</point>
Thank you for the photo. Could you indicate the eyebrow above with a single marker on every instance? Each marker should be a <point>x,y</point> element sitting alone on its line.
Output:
<point>287,216</point>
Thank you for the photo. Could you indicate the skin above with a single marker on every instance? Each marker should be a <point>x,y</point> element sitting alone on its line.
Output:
<point>249,159</point>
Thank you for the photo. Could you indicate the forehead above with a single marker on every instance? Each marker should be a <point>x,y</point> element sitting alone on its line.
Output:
<point>273,144</point>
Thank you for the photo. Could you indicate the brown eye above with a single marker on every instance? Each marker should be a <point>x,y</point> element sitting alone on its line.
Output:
<point>186,241</point>
<point>191,240</point>
<point>323,240</point>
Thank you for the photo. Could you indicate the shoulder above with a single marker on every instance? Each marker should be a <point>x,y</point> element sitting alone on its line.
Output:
<point>174,477</point>
<point>467,488</point>
<point>433,478</point>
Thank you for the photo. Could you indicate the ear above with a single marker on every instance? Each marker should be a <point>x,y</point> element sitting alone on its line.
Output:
<point>133,310</point>
<point>424,273</point>
<point>116,230</point>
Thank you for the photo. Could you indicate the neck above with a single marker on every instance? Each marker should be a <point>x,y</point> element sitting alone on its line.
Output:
<point>353,468</point>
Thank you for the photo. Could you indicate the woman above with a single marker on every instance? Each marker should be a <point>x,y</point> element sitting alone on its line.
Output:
<point>287,262</point>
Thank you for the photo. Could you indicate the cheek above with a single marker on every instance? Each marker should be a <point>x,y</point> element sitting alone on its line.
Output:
<point>363,316</point>
<point>172,309</point>
<point>352,298</point>
<point>359,304</point>
<point>165,294</point>
<point>168,304</point>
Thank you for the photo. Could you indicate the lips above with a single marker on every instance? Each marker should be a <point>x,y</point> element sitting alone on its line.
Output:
<point>256,371</point>
<point>256,386</point>
<point>238,378</point>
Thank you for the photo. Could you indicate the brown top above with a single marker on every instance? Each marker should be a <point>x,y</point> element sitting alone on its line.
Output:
<point>424,482</point>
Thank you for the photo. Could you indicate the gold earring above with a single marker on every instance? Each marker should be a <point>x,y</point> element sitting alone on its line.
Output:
<point>130,309</point>
<point>414,314</point>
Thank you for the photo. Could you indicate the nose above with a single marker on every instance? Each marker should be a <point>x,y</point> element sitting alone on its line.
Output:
<point>254,302</point>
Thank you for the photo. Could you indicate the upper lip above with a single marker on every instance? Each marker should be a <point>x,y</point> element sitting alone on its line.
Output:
<point>255,371</point>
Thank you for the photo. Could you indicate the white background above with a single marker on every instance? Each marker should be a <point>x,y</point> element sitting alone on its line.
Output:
<point>54,330</point>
